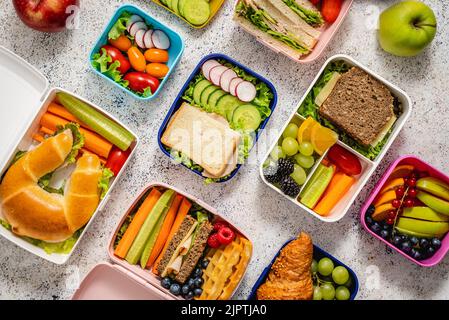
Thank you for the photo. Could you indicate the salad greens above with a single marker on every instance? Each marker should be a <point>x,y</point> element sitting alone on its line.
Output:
<point>78,140</point>
<point>309,109</point>
<point>103,184</point>
<point>313,18</point>
<point>102,63</point>
<point>119,26</point>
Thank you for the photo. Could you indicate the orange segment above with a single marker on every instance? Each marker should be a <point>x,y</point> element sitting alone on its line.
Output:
<point>322,138</point>
<point>392,185</point>
<point>304,130</point>
<point>401,171</point>
<point>381,212</point>
<point>385,197</point>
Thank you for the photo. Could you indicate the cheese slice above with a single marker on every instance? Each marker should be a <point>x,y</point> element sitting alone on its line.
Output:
<point>384,131</point>
<point>175,266</point>
<point>327,89</point>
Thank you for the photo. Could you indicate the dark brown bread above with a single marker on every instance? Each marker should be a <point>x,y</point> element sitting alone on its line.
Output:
<point>195,252</point>
<point>360,105</point>
<point>185,226</point>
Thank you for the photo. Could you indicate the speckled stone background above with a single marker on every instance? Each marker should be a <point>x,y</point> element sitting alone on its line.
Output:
<point>266,217</point>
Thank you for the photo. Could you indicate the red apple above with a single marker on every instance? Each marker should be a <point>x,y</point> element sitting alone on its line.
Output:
<point>46,15</point>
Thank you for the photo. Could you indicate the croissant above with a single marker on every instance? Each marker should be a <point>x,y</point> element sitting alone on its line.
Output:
<point>36,213</point>
<point>290,277</point>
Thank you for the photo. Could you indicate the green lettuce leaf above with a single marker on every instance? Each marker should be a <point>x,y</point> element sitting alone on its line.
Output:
<point>119,26</point>
<point>313,18</point>
<point>44,183</point>
<point>103,184</point>
<point>78,140</point>
<point>102,63</point>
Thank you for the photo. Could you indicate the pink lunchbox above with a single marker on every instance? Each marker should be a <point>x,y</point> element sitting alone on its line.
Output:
<point>433,172</point>
<point>120,280</point>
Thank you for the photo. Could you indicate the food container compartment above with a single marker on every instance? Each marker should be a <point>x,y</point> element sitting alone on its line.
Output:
<point>175,51</point>
<point>433,172</point>
<point>21,125</point>
<point>368,166</point>
<point>215,5</point>
<point>318,253</point>
<point>328,32</point>
<point>178,102</point>
<point>143,277</point>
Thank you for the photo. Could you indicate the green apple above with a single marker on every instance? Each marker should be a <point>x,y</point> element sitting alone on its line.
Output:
<point>406,28</point>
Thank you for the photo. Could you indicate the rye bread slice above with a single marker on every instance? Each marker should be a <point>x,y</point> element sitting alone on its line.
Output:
<point>195,252</point>
<point>185,226</point>
<point>360,105</point>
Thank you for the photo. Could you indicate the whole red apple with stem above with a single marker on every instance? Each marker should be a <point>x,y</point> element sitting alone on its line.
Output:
<point>46,15</point>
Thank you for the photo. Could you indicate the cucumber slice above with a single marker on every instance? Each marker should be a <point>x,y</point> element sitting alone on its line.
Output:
<point>174,5</point>
<point>247,117</point>
<point>206,94</point>
<point>225,103</point>
<point>313,191</point>
<point>230,111</point>
<point>197,12</point>
<point>199,87</point>
<point>181,4</point>
<point>213,98</point>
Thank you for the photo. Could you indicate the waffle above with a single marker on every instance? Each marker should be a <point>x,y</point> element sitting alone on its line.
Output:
<point>225,269</point>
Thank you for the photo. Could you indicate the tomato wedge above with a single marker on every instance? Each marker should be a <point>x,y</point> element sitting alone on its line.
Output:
<point>344,160</point>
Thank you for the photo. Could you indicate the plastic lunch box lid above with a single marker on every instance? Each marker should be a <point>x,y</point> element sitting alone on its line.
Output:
<point>316,249</point>
<point>23,88</point>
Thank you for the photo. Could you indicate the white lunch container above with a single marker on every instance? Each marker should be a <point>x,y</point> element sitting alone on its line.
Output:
<point>368,166</point>
<point>26,95</point>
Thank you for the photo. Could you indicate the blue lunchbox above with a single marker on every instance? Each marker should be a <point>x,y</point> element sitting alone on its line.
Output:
<point>178,102</point>
<point>318,253</point>
<point>174,52</point>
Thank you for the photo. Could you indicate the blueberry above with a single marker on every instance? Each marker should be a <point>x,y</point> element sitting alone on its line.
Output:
<point>197,292</point>
<point>369,220</point>
<point>397,240</point>
<point>191,283</point>
<point>198,282</point>
<point>406,246</point>
<point>385,226</point>
<point>430,252</point>
<point>175,289</point>
<point>436,243</point>
<point>384,234</point>
<point>376,227</point>
<point>370,210</point>
<point>166,283</point>
<point>197,273</point>
<point>424,243</point>
<point>189,295</point>
<point>416,254</point>
<point>414,241</point>
<point>404,238</point>
<point>204,263</point>
<point>185,289</point>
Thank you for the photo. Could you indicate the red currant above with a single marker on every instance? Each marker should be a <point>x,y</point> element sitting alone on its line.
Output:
<point>412,193</point>
<point>409,203</point>
<point>406,178</point>
<point>400,192</point>
<point>396,203</point>
<point>391,214</point>
<point>390,221</point>
<point>411,182</point>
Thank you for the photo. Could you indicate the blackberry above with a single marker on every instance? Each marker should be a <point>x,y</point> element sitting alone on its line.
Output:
<point>289,186</point>
<point>270,173</point>
<point>285,168</point>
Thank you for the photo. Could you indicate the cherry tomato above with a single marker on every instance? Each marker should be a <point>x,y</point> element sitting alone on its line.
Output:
<point>315,2</point>
<point>156,55</point>
<point>116,55</point>
<point>139,81</point>
<point>344,160</point>
<point>137,59</point>
<point>158,70</point>
<point>122,43</point>
<point>117,159</point>
<point>330,9</point>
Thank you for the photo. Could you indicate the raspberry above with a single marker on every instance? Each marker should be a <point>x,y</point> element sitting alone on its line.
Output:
<point>219,225</point>
<point>213,241</point>
<point>225,235</point>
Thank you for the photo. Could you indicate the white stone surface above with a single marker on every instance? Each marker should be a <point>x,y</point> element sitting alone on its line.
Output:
<point>268,219</point>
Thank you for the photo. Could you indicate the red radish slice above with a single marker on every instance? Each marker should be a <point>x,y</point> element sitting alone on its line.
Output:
<point>225,80</point>
<point>216,73</point>
<point>147,39</point>
<point>246,91</point>
<point>160,40</point>
<point>136,27</point>
<point>207,66</point>
<point>134,18</point>
<point>140,38</point>
<point>233,85</point>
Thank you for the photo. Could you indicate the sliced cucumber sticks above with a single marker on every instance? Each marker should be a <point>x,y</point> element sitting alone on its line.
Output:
<point>102,125</point>
<point>197,12</point>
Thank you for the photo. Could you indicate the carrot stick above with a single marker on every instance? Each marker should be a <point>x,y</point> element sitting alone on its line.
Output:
<point>38,137</point>
<point>339,185</point>
<point>182,213</point>
<point>46,130</point>
<point>137,222</point>
<point>165,230</point>
<point>92,141</point>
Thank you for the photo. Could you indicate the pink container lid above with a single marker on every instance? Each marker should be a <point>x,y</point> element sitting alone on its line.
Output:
<point>433,172</point>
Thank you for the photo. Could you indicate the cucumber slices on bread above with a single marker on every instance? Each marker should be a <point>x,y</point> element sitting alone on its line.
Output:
<point>197,12</point>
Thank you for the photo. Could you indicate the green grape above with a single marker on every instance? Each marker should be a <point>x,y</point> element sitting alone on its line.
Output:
<point>268,162</point>
<point>342,293</point>
<point>290,131</point>
<point>317,294</point>
<point>325,266</point>
<point>306,148</point>
<point>299,175</point>
<point>277,153</point>
<point>290,146</point>
<point>314,267</point>
<point>340,275</point>
<point>304,161</point>
<point>328,291</point>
